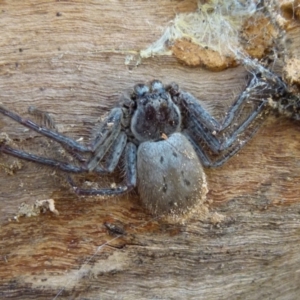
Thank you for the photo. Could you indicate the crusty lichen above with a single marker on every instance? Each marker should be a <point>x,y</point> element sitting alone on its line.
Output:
<point>289,13</point>
<point>291,71</point>
<point>195,55</point>
<point>40,206</point>
<point>217,33</point>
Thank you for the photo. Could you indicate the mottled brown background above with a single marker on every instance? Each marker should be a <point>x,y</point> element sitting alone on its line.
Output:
<point>68,58</point>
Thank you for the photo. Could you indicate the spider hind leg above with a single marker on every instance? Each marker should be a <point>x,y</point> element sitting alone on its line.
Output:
<point>130,178</point>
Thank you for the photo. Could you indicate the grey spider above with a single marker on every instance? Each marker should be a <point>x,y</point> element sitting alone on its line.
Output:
<point>164,136</point>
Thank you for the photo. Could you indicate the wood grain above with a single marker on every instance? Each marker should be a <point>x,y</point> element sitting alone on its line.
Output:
<point>68,58</point>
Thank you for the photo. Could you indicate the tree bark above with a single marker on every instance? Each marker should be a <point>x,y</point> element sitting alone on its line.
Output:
<point>69,58</point>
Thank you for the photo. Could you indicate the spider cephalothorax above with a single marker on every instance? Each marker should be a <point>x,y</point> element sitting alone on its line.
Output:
<point>162,136</point>
<point>156,114</point>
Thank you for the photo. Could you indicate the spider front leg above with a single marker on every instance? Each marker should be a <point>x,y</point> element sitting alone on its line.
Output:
<point>192,106</point>
<point>108,167</point>
<point>104,137</point>
<point>108,147</point>
<point>47,121</point>
<point>202,127</point>
<point>108,136</point>
<point>223,155</point>
<point>216,139</point>
<point>115,142</point>
<point>233,144</point>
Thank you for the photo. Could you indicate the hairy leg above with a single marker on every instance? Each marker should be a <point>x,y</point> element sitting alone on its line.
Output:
<point>130,176</point>
<point>111,125</point>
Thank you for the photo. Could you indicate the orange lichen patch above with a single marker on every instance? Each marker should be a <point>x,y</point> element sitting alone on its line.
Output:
<point>194,55</point>
<point>292,71</point>
<point>258,35</point>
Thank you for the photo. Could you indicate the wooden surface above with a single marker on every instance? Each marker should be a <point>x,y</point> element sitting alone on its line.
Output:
<point>68,58</point>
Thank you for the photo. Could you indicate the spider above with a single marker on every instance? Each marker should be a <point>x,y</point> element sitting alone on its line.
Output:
<point>163,136</point>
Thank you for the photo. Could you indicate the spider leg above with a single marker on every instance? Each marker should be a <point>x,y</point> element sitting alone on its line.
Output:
<point>222,138</point>
<point>240,129</point>
<point>47,121</point>
<point>206,128</point>
<point>117,146</point>
<point>43,116</point>
<point>44,131</point>
<point>111,124</point>
<point>192,105</point>
<point>217,144</point>
<point>211,138</point>
<point>234,110</point>
<point>130,176</point>
<point>41,160</point>
<point>205,160</point>
<point>109,129</point>
<point>253,86</point>
<point>108,166</point>
<point>108,137</point>
<point>114,155</point>
<point>222,158</point>
<point>104,140</point>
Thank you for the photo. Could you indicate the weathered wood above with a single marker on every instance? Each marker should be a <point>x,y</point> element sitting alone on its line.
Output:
<point>68,58</point>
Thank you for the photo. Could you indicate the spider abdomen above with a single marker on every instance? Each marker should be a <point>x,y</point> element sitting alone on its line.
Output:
<point>171,178</point>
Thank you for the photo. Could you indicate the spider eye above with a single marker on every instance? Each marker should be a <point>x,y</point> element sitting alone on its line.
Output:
<point>141,89</point>
<point>284,102</point>
<point>157,86</point>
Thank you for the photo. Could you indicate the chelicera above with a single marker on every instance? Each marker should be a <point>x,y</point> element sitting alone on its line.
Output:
<point>162,136</point>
